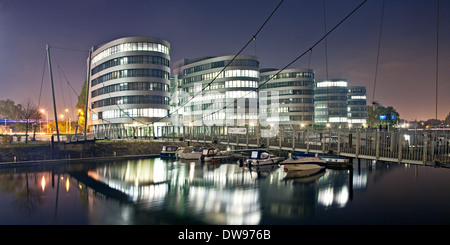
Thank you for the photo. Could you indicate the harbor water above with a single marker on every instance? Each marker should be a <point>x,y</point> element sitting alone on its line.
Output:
<point>154,191</point>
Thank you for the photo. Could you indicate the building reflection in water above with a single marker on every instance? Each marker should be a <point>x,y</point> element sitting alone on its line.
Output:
<point>226,193</point>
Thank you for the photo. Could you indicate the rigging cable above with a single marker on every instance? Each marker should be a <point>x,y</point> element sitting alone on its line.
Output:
<point>242,49</point>
<point>378,54</point>
<point>326,57</point>
<point>437,57</point>
<point>42,81</point>
<point>301,55</point>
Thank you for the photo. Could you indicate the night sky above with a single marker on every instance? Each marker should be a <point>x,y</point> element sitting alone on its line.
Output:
<point>195,28</point>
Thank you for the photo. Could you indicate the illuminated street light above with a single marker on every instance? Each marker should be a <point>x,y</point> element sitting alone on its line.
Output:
<point>46,113</point>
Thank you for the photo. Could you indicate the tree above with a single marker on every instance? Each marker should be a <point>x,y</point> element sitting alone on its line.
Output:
<point>28,111</point>
<point>376,110</point>
<point>8,110</point>
<point>447,119</point>
<point>81,106</point>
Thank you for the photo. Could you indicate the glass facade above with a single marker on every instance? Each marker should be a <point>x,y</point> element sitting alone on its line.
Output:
<point>330,102</point>
<point>129,83</point>
<point>294,89</point>
<point>357,108</point>
<point>227,98</point>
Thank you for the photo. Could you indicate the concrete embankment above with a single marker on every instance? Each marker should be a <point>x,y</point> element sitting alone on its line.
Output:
<point>78,150</point>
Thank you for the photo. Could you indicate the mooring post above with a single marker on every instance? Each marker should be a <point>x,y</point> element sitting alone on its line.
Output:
<point>425,146</point>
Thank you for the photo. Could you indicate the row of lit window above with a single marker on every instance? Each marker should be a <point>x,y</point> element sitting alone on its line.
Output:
<point>138,59</point>
<point>227,95</point>
<point>226,84</point>
<point>330,98</point>
<point>131,73</point>
<point>289,101</point>
<point>212,65</point>
<point>287,75</point>
<point>307,83</point>
<point>229,73</point>
<point>154,86</point>
<point>294,92</point>
<point>135,112</point>
<point>138,99</point>
<point>323,84</point>
<point>133,46</point>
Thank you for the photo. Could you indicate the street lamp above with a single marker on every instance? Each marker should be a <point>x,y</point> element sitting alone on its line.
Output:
<point>46,113</point>
<point>62,117</point>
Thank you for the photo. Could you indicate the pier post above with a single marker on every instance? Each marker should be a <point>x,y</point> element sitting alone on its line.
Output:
<point>339,142</point>
<point>358,143</point>
<point>425,146</point>
<point>400,146</point>
<point>377,144</point>
<point>293,138</point>
<point>246,130</point>
<point>280,133</point>
<point>307,141</point>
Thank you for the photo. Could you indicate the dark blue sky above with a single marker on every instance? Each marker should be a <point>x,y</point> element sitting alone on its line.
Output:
<point>195,28</point>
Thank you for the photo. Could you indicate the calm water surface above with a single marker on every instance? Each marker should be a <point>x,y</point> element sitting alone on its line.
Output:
<point>156,191</point>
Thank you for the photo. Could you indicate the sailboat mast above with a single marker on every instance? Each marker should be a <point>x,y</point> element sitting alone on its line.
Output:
<point>87,93</point>
<point>53,91</point>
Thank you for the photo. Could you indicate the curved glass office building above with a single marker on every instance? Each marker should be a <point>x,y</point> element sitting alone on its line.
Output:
<point>294,90</point>
<point>129,86</point>
<point>212,97</point>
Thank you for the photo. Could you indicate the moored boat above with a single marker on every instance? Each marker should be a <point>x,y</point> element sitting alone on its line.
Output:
<point>190,153</point>
<point>211,154</point>
<point>261,157</point>
<point>168,151</point>
<point>332,161</point>
<point>303,163</point>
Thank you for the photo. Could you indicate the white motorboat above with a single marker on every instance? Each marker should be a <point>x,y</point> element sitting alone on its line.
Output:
<point>214,155</point>
<point>303,163</point>
<point>168,151</point>
<point>190,153</point>
<point>261,157</point>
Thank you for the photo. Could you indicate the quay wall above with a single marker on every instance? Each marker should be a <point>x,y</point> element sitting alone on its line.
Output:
<point>63,150</point>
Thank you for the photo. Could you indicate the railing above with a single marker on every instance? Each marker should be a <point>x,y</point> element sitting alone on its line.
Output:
<point>408,146</point>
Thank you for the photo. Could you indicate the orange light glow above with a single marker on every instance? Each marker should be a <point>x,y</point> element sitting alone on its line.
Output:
<point>67,184</point>
<point>43,182</point>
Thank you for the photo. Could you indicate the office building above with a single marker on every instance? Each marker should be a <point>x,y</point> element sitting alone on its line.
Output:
<point>129,87</point>
<point>357,108</point>
<point>330,102</point>
<point>293,90</point>
<point>210,95</point>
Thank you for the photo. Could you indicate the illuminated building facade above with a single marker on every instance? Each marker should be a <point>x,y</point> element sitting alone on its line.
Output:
<point>330,102</point>
<point>227,98</point>
<point>357,108</point>
<point>295,91</point>
<point>129,86</point>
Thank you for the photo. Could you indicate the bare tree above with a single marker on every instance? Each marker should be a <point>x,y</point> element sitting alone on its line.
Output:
<point>28,111</point>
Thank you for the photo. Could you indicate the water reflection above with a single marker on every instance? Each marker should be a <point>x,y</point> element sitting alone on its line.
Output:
<point>224,193</point>
<point>155,191</point>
